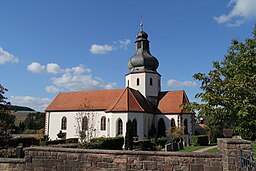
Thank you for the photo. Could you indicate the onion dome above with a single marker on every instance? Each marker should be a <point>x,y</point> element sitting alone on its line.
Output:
<point>142,60</point>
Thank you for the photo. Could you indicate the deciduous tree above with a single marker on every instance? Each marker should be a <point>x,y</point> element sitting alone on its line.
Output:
<point>229,91</point>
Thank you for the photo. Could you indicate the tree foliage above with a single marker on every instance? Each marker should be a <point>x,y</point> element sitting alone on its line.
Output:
<point>229,90</point>
<point>128,135</point>
<point>6,120</point>
<point>34,121</point>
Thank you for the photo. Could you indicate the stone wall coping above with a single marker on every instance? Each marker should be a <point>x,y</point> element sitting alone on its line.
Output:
<point>12,160</point>
<point>122,152</point>
<point>233,141</point>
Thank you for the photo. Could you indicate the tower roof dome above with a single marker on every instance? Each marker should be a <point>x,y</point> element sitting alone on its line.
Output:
<point>142,60</point>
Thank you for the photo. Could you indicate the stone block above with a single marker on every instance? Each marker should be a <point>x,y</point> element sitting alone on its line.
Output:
<point>149,165</point>
<point>85,164</point>
<point>212,168</point>
<point>107,159</point>
<point>102,165</point>
<point>72,156</point>
<point>120,160</point>
<point>165,167</point>
<point>196,167</point>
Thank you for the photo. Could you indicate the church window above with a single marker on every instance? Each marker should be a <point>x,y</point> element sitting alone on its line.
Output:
<point>134,128</point>
<point>151,81</point>
<point>103,123</point>
<point>185,126</point>
<point>108,128</point>
<point>138,81</point>
<point>64,123</point>
<point>173,122</point>
<point>138,45</point>
<point>119,127</point>
<point>85,123</point>
<point>128,83</point>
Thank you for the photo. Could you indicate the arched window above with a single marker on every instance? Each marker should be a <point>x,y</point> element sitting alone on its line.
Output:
<point>84,123</point>
<point>64,123</point>
<point>138,81</point>
<point>103,123</point>
<point>119,127</point>
<point>150,81</point>
<point>161,128</point>
<point>134,128</point>
<point>173,122</point>
<point>108,128</point>
<point>185,126</point>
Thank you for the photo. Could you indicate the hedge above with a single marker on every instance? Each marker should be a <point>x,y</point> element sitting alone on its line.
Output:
<point>115,143</point>
<point>201,140</point>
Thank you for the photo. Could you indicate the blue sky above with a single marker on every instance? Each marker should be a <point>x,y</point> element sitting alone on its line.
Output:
<point>52,46</point>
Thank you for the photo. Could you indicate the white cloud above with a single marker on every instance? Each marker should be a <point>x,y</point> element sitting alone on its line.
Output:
<point>76,82</point>
<point>242,11</point>
<point>39,104</point>
<point>52,89</point>
<point>78,70</point>
<point>76,78</point>
<point>123,44</point>
<point>7,57</point>
<point>53,68</point>
<point>104,49</point>
<point>176,83</point>
<point>100,49</point>
<point>36,67</point>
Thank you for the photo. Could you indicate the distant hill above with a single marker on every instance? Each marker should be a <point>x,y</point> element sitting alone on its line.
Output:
<point>20,108</point>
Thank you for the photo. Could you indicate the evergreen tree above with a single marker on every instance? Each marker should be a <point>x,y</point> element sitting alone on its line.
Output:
<point>128,135</point>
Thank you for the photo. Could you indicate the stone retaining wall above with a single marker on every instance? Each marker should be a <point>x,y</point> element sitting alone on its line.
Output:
<point>11,164</point>
<point>78,159</point>
<point>64,159</point>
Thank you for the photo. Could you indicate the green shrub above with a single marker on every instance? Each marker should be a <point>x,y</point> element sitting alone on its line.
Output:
<point>145,145</point>
<point>201,140</point>
<point>55,142</point>
<point>161,141</point>
<point>115,143</point>
<point>72,140</point>
<point>24,141</point>
<point>175,146</point>
<point>5,142</point>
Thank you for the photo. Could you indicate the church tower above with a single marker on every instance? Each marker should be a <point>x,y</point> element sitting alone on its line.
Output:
<point>143,75</point>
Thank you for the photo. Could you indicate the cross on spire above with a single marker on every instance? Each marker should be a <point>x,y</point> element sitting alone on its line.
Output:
<point>141,24</point>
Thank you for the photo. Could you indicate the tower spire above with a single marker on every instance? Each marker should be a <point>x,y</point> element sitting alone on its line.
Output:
<point>141,24</point>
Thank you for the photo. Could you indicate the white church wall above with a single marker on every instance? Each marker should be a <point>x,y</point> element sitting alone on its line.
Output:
<point>188,117</point>
<point>142,123</point>
<point>112,125</point>
<point>54,125</point>
<point>131,79</point>
<point>144,83</point>
<point>167,119</point>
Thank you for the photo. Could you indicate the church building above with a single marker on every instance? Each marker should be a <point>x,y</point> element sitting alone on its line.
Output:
<point>104,113</point>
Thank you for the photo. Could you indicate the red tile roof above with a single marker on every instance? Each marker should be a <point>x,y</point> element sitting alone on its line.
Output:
<point>130,101</point>
<point>118,100</point>
<point>85,100</point>
<point>171,101</point>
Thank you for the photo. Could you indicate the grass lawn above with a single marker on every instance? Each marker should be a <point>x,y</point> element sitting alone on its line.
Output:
<point>254,147</point>
<point>213,150</point>
<point>192,148</point>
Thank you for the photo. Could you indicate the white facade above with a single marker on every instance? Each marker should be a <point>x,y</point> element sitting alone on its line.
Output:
<point>147,83</point>
<point>144,123</point>
<point>144,80</point>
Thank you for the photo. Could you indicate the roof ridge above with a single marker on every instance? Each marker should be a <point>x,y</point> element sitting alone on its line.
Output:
<point>117,101</point>
<point>136,99</point>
